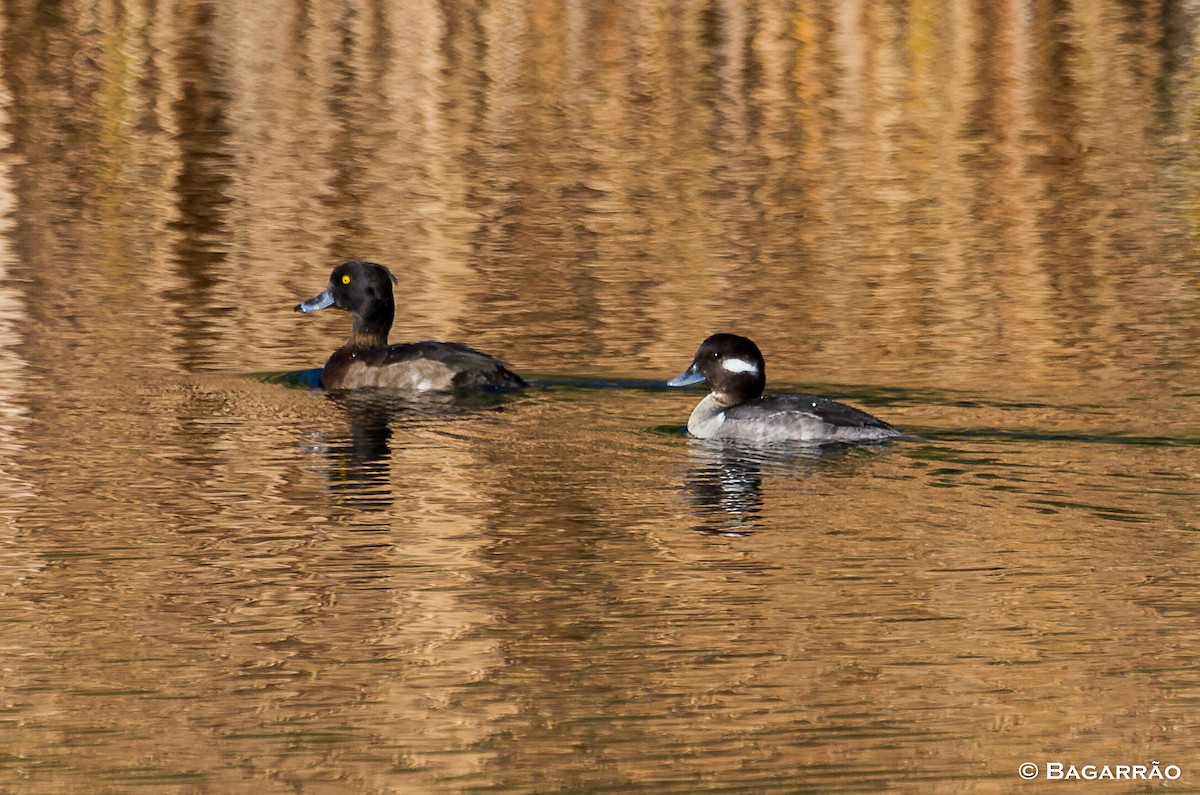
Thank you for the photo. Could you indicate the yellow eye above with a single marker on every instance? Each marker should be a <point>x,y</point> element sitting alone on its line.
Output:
<point>346,279</point>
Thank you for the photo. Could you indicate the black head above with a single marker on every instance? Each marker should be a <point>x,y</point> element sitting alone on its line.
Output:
<point>732,365</point>
<point>363,289</point>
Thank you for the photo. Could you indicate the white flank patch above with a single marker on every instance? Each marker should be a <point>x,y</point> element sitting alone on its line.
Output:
<point>425,386</point>
<point>739,366</point>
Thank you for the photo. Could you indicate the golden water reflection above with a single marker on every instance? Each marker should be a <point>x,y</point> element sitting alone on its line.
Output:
<point>975,219</point>
<point>938,191</point>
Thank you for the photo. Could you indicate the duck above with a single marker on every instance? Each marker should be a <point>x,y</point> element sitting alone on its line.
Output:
<point>735,370</point>
<point>364,289</point>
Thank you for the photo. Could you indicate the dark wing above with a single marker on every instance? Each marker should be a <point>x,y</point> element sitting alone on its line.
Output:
<point>830,411</point>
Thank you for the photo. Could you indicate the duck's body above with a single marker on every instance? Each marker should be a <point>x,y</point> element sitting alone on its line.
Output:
<point>736,409</point>
<point>418,367</point>
<point>786,418</point>
<point>367,360</point>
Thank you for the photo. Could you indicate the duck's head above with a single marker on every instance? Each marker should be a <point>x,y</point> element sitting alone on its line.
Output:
<point>732,365</point>
<point>364,289</point>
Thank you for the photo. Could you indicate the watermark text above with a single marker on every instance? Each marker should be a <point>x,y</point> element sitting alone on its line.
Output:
<point>1064,771</point>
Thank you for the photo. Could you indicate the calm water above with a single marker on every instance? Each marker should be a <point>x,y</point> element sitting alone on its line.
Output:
<point>976,220</point>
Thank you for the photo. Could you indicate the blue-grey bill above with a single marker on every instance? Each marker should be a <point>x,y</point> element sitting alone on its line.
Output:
<point>692,375</point>
<point>322,301</point>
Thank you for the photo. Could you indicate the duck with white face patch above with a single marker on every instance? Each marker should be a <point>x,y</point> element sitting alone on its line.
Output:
<point>734,368</point>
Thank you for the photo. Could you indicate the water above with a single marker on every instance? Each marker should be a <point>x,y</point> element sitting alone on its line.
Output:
<point>978,222</point>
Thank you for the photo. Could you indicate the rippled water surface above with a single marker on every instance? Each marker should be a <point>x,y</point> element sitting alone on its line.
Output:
<point>975,220</point>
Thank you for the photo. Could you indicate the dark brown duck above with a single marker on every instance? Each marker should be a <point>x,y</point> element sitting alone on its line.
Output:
<point>364,289</point>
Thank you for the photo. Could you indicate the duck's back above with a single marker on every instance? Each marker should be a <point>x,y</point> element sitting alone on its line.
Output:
<point>419,367</point>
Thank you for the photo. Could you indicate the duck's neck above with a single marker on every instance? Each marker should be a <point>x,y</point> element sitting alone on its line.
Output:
<point>719,400</point>
<point>371,328</point>
<point>364,342</point>
<point>733,398</point>
<point>741,389</point>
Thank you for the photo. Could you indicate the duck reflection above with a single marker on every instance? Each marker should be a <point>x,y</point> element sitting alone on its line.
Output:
<point>724,486</point>
<point>725,479</point>
<point>359,459</point>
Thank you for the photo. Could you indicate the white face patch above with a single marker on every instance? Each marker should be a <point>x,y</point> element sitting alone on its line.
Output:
<point>739,366</point>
